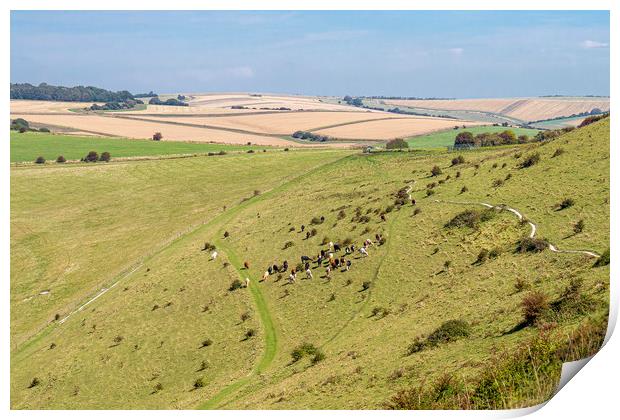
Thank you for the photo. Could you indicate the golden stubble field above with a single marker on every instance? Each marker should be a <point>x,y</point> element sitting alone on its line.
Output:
<point>389,129</point>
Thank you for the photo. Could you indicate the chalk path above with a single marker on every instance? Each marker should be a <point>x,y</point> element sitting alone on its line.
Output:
<point>533,228</point>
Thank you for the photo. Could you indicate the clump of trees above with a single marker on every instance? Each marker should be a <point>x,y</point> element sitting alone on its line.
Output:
<point>157,136</point>
<point>466,139</point>
<point>93,156</point>
<point>21,125</point>
<point>115,106</point>
<point>397,144</point>
<point>306,135</point>
<point>45,92</point>
<point>169,102</point>
<point>145,95</point>
<point>592,119</point>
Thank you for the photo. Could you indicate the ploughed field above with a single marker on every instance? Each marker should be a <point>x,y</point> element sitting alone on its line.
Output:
<point>523,109</point>
<point>172,329</point>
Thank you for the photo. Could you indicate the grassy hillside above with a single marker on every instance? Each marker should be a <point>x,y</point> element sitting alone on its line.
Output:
<point>446,138</point>
<point>26,147</point>
<point>141,345</point>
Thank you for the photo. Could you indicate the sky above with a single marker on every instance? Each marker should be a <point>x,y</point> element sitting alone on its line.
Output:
<point>454,54</point>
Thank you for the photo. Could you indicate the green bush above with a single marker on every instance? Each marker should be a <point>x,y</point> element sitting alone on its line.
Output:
<point>236,284</point>
<point>436,170</point>
<point>105,157</point>
<point>397,144</point>
<point>307,349</point>
<point>528,244</point>
<point>61,159</point>
<point>603,259</point>
<point>458,160</point>
<point>40,160</point>
<point>566,203</point>
<point>530,160</point>
<point>470,218</point>
<point>533,305</point>
<point>449,331</point>
<point>92,156</point>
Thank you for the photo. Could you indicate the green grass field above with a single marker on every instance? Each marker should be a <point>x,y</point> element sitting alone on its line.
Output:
<point>446,138</point>
<point>140,226</point>
<point>26,147</point>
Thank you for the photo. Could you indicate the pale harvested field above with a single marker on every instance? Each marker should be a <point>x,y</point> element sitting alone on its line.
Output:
<point>526,109</point>
<point>389,129</point>
<point>268,101</point>
<point>24,106</point>
<point>123,127</point>
<point>280,123</point>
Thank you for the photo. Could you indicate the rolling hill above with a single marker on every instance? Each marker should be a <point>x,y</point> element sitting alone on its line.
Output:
<point>118,302</point>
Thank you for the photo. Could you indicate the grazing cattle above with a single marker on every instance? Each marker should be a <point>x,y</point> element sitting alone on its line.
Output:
<point>246,265</point>
<point>307,235</point>
<point>368,243</point>
<point>330,255</point>
<point>383,217</point>
<point>265,276</point>
<point>214,255</point>
<point>291,278</point>
<point>348,264</point>
<point>378,237</point>
<point>302,228</point>
<point>269,270</point>
<point>247,282</point>
<point>322,219</point>
<point>307,265</point>
<point>413,201</point>
<point>285,266</point>
<point>336,247</point>
<point>305,258</point>
<point>275,268</point>
<point>347,250</point>
<point>322,253</point>
<point>363,251</point>
<point>331,245</point>
<point>328,271</point>
<point>342,261</point>
<point>309,273</point>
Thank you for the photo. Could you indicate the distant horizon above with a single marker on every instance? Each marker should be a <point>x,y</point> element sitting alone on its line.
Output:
<point>451,54</point>
<point>190,92</point>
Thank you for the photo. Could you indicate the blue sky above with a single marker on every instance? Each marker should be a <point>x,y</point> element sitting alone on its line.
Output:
<point>438,54</point>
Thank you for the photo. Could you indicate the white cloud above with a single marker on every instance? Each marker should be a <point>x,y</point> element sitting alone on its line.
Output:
<point>456,51</point>
<point>593,44</point>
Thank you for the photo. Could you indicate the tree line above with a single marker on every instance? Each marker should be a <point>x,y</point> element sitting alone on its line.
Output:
<point>45,92</point>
